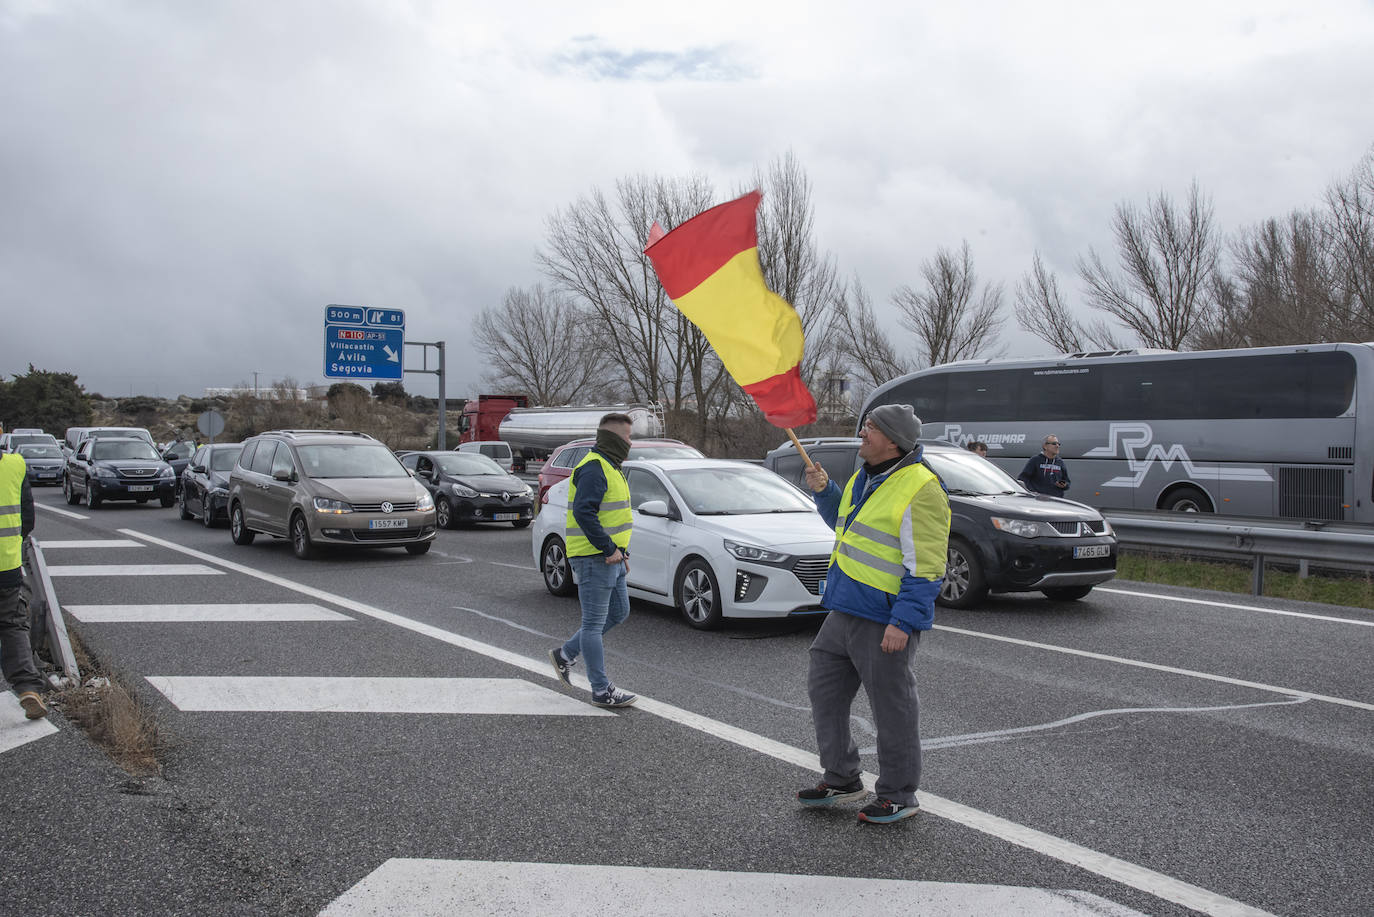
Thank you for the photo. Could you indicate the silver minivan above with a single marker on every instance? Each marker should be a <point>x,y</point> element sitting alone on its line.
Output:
<point>494,449</point>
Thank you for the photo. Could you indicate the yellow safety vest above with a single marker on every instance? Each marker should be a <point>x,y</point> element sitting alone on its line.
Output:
<point>12,472</point>
<point>614,513</point>
<point>869,549</point>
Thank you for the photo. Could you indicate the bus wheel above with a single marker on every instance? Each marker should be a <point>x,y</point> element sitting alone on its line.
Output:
<point>1186,500</point>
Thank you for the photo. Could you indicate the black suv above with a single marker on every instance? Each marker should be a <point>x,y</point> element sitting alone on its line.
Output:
<point>117,468</point>
<point>1002,538</point>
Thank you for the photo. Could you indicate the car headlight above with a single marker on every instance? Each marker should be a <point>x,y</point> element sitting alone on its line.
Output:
<point>166,473</point>
<point>325,505</point>
<point>425,502</point>
<point>1023,527</point>
<point>756,554</point>
<point>104,471</point>
<point>462,490</point>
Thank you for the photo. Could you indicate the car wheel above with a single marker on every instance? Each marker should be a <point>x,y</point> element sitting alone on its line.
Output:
<point>182,511</point>
<point>72,498</point>
<point>698,595</point>
<point>521,523</point>
<point>553,562</point>
<point>207,518</point>
<point>418,549</point>
<point>965,583</point>
<point>300,538</point>
<point>443,513</point>
<point>1187,500</point>
<point>238,530</point>
<point>92,501</point>
<point>167,501</point>
<point>1066,593</point>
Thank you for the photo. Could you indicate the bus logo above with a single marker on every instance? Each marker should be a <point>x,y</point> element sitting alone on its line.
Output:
<point>1134,437</point>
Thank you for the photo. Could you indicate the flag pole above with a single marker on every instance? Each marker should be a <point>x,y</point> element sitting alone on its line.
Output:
<point>796,442</point>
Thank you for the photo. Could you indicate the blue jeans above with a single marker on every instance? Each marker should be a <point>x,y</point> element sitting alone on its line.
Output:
<point>605,603</point>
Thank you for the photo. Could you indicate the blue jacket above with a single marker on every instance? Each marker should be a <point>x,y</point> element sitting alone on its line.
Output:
<point>913,607</point>
<point>1041,473</point>
<point>591,489</point>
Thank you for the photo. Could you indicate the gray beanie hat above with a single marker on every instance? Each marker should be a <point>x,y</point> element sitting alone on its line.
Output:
<point>899,423</point>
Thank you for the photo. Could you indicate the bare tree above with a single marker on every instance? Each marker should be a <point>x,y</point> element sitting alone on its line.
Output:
<point>861,344</point>
<point>535,342</point>
<point>1041,310</point>
<point>1351,236</point>
<point>951,319</point>
<point>1168,258</point>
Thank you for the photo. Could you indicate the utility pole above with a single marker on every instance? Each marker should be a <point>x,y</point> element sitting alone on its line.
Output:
<point>439,346</point>
<point>255,385</point>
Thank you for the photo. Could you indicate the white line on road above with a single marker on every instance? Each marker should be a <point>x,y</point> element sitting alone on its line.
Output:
<point>308,694</point>
<point>1110,867</point>
<point>1232,605</point>
<point>123,614</point>
<point>1172,670</point>
<point>17,729</point>
<point>133,570</point>
<point>61,512</point>
<point>497,563</point>
<point>91,543</point>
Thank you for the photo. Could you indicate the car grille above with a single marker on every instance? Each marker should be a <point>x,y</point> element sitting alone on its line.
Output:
<point>1076,528</point>
<point>811,571</point>
<point>391,534</point>
<point>377,507</point>
<point>135,472</point>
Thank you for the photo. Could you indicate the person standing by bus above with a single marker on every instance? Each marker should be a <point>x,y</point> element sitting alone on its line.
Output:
<point>1045,473</point>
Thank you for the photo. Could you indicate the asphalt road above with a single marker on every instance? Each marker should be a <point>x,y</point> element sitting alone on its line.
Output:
<point>1166,751</point>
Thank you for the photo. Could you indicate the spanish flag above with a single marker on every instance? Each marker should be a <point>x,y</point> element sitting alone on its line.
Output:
<point>709,267</point>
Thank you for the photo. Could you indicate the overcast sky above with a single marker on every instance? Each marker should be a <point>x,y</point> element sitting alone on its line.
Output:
<point>186,185</point>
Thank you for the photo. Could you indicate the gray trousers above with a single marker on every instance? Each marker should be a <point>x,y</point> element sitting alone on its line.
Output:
<point>16,658</point>
<point>847,653</point>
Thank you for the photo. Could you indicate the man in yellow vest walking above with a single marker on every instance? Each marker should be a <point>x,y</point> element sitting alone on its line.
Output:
<point>892,535</point>
<point>598,542</point>
<point>16,521</point>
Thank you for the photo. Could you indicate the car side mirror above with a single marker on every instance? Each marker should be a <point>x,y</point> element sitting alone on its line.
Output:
<point>282,474</point>
<point>657,508</point>
<point>198,469</point>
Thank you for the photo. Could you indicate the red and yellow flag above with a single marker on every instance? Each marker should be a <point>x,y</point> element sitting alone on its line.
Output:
<point>709,266</point>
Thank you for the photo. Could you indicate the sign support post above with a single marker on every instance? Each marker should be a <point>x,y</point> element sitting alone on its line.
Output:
<point>439,346</point>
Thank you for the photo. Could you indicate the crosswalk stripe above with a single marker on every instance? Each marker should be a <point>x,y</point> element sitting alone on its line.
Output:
<point>92,543</point>
<point>15,728</point>
<point>309,694</point>
<point>439,888</point>
<point>133,570</point>
<point>248,611</point>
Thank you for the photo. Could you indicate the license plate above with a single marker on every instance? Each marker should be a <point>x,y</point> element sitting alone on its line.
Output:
<point>47,474</point>
<point>1093,550</point>
<point>139,488</point>
<point>388,523</point>
<point>505,517</point>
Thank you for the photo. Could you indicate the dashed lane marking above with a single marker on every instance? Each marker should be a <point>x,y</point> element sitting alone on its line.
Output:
<point>1109,867</point>
<point>1237,607</point>
<point>307,694</point>
<point>445,888</point>
<point>133,570</point>
<point>61,512</point>
<point>124,614</point>
<point>92,543</point>
<point>15,728</point>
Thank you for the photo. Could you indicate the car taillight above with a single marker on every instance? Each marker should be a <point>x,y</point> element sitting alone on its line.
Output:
<point>544,497</point>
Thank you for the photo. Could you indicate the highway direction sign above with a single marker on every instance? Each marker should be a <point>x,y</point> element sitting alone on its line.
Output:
<point>363,343</point>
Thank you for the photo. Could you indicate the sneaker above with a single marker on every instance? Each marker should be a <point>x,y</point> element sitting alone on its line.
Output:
<point>33,705</point>
<point>614,697</point>
<point>561,666</point>
<point>883,811</point>
<point>823,794</point>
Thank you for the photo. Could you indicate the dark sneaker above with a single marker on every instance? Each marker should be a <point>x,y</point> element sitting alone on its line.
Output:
<point>33,705</point>
<point>823,794</point>
<point>614,697</point>
<point>883,811</point>
<point>561,666</point>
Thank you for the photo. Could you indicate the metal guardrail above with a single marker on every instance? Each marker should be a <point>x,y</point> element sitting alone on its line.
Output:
<point>1260,540</point>
<point>43,601</point>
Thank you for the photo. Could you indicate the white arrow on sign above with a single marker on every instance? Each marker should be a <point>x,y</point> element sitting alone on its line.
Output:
<point>391,355</point>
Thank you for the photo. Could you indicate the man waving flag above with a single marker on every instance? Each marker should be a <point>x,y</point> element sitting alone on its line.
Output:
<point>709,266</point>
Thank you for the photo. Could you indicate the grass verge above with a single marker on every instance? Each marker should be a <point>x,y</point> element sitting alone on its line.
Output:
<point>1280,580</point>
<point>111,714</point>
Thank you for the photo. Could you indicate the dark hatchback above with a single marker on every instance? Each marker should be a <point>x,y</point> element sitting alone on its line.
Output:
<point>1002,538</point>
<point>468,487</point>
<point>45,462</point>
<point>205,483</point>
<point>117,468</point>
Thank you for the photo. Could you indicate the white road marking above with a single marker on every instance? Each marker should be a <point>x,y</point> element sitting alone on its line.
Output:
<point>61,512</point>
<point>1172,670</point>
<point>1110,867</point>
<point>1232,605</point>
<point>497,563</point>
<point>17,729</point>
<point>306,694</point>
<point>91,543</point>
<point>450,888</point>
<point>133,570</point>
<point>285,611</point>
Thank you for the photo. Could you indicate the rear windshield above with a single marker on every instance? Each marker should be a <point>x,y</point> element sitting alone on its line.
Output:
<point>40,452</point>
<point>123,449</point>
<point>351,460</point>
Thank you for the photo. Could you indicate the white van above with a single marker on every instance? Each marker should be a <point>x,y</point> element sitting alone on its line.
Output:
<point>494,449</point>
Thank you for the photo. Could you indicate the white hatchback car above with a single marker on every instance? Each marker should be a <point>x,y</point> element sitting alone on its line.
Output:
<point>714,538</point>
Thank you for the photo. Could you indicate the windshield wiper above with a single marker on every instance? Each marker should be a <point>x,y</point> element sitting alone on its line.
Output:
<point>965,493</point>
<point>715,512</point>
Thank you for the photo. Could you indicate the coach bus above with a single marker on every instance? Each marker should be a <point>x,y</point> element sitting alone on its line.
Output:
<point>1275,432</point>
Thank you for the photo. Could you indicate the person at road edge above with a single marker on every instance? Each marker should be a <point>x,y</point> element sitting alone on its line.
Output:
<point>16,521</point>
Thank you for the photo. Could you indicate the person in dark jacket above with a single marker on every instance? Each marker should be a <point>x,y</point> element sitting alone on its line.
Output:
<point>1045,473</point>
<point>16,521</point>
